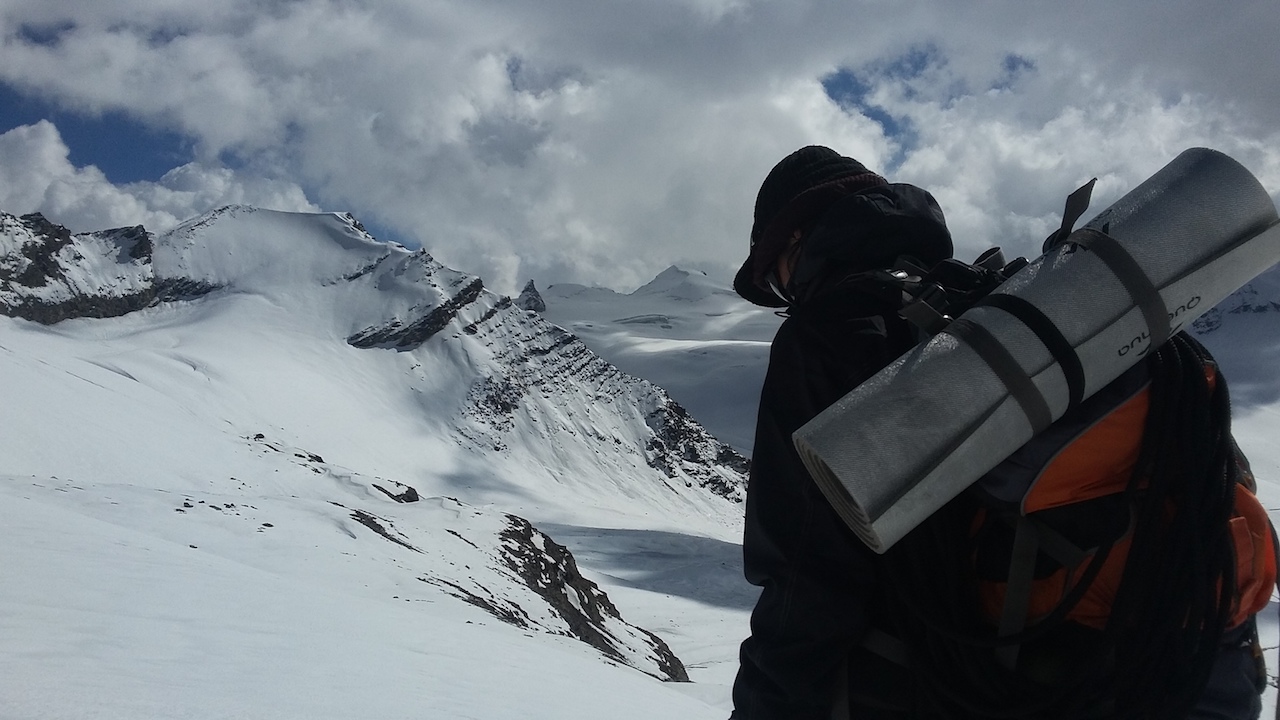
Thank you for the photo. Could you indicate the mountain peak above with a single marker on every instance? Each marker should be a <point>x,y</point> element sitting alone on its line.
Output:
<point>530,299</point>
<point>674,271</point>
<point>48,275</point>
<point>671,275</point>
<point>680,284</point>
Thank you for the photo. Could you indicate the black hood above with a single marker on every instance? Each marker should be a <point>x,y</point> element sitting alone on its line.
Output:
<point>865,231</point>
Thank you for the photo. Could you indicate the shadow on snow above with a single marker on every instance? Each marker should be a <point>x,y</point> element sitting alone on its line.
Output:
<point>688,566</point>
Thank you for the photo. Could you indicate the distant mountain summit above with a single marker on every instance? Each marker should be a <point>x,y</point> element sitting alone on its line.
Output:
<point>683,285</point>
<point>685,331</point>
<point>1243,333</point>
<point>529,299</point>
<point>1259,297</point>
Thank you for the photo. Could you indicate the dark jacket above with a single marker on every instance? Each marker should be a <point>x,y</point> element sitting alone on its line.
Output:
<point>817,578</point>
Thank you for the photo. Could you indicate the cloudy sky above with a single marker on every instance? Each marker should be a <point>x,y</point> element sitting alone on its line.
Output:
<point>599,141</point>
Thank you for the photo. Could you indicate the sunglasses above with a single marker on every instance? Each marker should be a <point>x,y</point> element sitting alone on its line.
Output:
<point>771,278</point>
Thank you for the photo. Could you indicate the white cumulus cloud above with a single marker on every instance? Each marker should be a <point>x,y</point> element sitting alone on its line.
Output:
<point>601,142</point>
<point>39,177</point>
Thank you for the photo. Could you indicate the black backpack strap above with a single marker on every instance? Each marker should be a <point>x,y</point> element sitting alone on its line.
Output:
<point>1017,594</point>
<point>887,646</point>
<point>922,313</point>
<point>1031,537</point>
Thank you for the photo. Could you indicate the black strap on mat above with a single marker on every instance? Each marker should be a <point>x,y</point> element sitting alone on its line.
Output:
<point>1077,204</point>
<point>1048,334</point>
<point>1130,274</point>
<point>1006,367</point>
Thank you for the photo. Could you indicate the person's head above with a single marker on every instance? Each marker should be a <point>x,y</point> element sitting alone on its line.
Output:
<point>793,195</point>
<point>806,194</point>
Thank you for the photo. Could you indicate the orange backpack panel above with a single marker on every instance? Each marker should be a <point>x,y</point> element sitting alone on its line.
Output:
<point>1099,462</point>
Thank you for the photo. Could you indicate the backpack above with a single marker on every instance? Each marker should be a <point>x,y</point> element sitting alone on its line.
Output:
<point>1094,572</point>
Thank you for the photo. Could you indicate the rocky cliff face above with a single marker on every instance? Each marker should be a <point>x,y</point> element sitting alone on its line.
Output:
<point>531,299</point>
<point>543,363</point>
<point>549,570</point>
<point>406,336</point>
<point>49,275</point>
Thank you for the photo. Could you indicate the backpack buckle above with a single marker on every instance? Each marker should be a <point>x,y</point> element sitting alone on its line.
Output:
<point>925,311</point>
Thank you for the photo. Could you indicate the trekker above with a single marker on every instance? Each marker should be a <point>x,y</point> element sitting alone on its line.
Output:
<point>822,639</point>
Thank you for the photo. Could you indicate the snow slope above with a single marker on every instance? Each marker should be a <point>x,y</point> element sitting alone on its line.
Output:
<point>204,493</point>
<point>697,339</point>
<point>106,615</point>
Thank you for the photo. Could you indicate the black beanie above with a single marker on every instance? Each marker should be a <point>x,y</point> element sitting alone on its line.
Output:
<point>795,191</point>
<point>804,169</point>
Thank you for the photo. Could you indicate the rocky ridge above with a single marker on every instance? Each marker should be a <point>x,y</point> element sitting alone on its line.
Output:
<point>48,275</point>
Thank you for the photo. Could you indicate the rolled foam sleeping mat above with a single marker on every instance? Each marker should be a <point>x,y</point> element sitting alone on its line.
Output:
<point>911,438</point>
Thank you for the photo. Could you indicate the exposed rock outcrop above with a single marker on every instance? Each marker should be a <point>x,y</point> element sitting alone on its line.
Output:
<point>1248,300</point>
<point>48,275</point>
<point>548,568</point>
<point>406,336</point>
<point>549,364</point>
<point>530,299</point>
<point>682,448</point>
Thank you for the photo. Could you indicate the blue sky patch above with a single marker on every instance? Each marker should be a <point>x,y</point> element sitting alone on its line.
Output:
<point>852,90</point>
<point>538,81</point>
<point>1013,68</point>
<point>47,35</point>
<point>1015,64</point>
<point>121,147</point>
<point>910,66</point>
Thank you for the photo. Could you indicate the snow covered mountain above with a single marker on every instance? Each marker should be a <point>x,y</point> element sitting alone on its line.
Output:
<point>265,465</point>
<point>283,402</point>
<point>325,273</point>
<point>694,337</point>
<point>1243,332</point>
